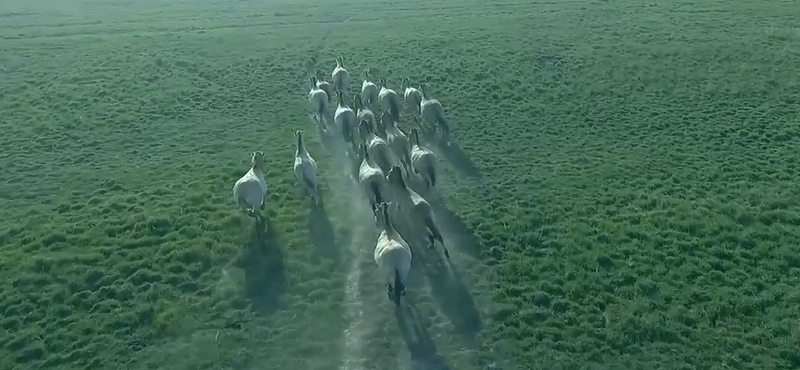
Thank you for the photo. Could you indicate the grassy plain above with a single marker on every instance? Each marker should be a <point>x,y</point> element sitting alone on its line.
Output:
<point>624,195</point>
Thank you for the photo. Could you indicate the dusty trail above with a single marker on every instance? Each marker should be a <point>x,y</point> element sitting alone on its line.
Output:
<point>372,325</point>
<point>355,335</point>
<point>438,324</point>
<point>354,210</point>
<point>353,340</point>
<point>439,319</point>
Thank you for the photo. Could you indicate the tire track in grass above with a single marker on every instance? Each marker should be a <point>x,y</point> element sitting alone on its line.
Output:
<point>355,312</point>
<point>366,332</point>
<point>363,234</point>
<point>342,187</point>
<point>313,61</point>
<point>355,205</point>
<point>357,329</point>
<point>357,209</point>
<point>366,309</point>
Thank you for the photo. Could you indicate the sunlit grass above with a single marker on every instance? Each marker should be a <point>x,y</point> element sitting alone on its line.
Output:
<point>621,193</point>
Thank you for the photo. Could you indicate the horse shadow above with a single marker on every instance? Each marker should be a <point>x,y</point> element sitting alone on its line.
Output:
<point>453,296</point>
<point>421,348</point>
<point>447,287</point>
<point>452,153</point>
<point>456,231</point>
<point>264,270</point>
<point>323,234</point>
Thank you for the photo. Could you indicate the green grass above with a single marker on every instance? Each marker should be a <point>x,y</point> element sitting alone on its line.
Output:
<point>624,195</point>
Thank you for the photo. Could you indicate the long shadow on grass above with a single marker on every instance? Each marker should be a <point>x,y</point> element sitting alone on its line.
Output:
<point>264,271</point>
<point>455,232</point>
<point>452,295</point>
<point>452,153</point>
<point>424,355</point>
<point>323,234</point>
<point>447,286</point>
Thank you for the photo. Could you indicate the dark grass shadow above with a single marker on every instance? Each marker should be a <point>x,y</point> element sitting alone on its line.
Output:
<point>452,295</point>
<point>323,235</point>
<point>452,153</point>
<point>421,348</point>
<point>264,270</point>
<point>455,232</point>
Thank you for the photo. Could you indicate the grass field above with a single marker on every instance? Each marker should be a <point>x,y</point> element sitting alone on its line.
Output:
<point>623,194</point>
